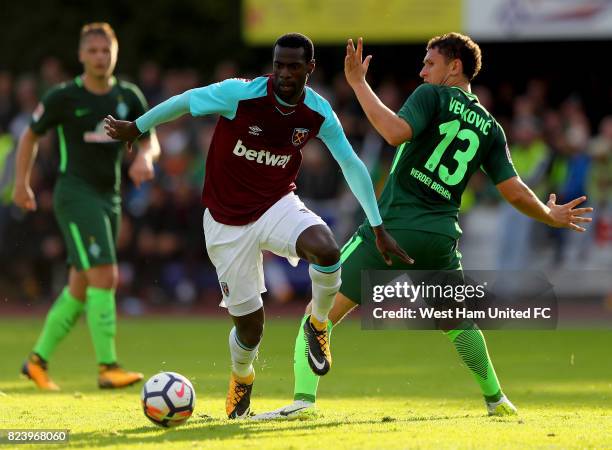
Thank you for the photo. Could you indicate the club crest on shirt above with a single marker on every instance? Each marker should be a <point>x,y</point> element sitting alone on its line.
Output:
<point>94,248</point>
<point>224,288</point>
<point>122,110</point>
<point>299,136</point>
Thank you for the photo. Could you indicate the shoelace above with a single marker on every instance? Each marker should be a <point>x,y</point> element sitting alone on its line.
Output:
<point>322,338</point>
<point>240,391</point>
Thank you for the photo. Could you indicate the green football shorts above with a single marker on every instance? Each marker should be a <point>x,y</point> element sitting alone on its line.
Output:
<point>89,223</point>
<point>430,251</point>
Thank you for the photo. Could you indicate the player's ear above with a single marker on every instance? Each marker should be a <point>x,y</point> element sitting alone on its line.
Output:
<point>311,67</point>
<point>457,66</point>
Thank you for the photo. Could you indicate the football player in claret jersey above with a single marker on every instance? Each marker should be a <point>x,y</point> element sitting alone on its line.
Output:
<point>252,165</point>
<point>86,199</point>
<point>443,135</point>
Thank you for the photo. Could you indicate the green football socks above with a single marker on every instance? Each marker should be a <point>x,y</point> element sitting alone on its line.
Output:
<point>306,382</point>
<point>102,321</point>
<point>471,346</point>
<point>468,340</point>
<point>60,320</point>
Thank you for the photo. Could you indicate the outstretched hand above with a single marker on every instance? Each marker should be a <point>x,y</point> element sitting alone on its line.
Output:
<point>387,246</point>
<point>122,130</point>
<point>567,215</point>
<point>355,68</point>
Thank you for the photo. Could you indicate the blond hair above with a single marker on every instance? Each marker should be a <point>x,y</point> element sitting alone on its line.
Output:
<point>99,28</point>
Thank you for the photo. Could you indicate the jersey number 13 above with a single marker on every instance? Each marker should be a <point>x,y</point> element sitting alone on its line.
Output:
<point>450,131</point>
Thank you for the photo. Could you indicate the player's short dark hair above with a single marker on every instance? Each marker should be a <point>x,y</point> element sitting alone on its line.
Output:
<point>297,40</point>
<point>459,46</point>
<point>99,28</point>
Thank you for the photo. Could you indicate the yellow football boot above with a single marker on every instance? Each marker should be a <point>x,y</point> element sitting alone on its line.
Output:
<point>238,401</point>
<point>112,376</point>
<point>35,368</point>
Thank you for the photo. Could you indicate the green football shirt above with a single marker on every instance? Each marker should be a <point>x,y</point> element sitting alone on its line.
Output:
<point>87,154</point>
<point>453,136</point>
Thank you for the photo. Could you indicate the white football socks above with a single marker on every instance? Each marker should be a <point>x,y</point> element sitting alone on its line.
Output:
<point>242,356</point>
<point>324,289</point>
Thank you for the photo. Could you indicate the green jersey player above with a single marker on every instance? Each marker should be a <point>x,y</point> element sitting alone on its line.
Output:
<point>86,201</point>
<point>443,136</point>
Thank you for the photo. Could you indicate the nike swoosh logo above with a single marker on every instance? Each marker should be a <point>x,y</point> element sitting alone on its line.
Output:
<point>286,413</point>
<point>181,392</point>
<point>81,112</point>
<point>318,365</point>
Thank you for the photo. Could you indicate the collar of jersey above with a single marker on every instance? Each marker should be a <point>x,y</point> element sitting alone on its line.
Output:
<point>469,94</point>
<point>79,81</point>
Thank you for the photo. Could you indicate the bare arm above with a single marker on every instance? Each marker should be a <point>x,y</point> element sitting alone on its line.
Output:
<point>392,128</point>
<point>23,196</point>
<point>523,199</point>
<point>142,169</point>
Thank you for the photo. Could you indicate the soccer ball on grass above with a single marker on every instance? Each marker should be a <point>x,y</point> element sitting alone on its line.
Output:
<point>168,399</point>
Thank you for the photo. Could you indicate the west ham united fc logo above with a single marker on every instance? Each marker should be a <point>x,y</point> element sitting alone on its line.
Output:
<point>299,136</point>
<point>225,288</point>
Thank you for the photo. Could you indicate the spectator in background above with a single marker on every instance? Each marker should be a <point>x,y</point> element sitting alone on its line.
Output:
<point>51,74</point>
<point>150,82</point>
<point>600,179</point>
<point>572,163</point>
<point>529,152</point>
<point>7,109</point>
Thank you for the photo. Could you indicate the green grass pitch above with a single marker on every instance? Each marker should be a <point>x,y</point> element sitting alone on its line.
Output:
<point>387,389</point>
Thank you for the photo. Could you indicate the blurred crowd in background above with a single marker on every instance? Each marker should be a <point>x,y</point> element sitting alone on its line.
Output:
<point>555,148</point>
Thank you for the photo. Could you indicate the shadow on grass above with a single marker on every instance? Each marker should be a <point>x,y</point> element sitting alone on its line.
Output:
<point>203,429</point>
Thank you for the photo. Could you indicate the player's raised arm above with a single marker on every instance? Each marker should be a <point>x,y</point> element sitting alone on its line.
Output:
<point>522,198</point>
<point>391,127</point>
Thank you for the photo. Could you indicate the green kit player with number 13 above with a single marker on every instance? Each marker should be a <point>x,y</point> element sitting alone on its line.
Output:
<point>443,135</point>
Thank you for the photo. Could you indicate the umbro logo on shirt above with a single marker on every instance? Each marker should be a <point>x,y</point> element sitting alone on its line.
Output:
<point>255,130</point>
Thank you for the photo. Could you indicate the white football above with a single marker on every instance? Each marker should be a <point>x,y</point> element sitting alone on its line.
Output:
<point>168,399</point>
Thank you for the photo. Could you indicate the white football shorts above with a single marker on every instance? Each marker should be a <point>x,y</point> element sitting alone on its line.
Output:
<point>236,254</point>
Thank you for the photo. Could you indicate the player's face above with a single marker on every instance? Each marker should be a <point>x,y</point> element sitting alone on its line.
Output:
<point>98,56</point>
<point>291,71</point>
<point>436,69</point>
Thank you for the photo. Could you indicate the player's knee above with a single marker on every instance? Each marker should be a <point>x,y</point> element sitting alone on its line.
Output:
<point>103,277</point>
<point>318,246</point>
<point>327,255</point>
